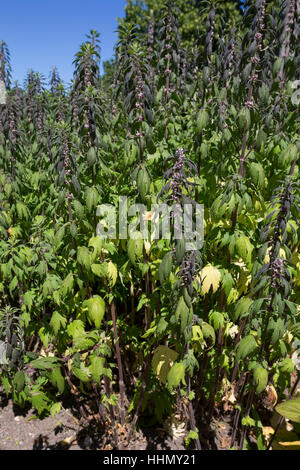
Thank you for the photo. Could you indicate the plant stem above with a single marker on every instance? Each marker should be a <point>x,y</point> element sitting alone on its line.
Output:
<point>119,361</point>
<point>140,402</point>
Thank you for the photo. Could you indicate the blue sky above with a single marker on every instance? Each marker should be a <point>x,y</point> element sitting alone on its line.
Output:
<point>43,33</point>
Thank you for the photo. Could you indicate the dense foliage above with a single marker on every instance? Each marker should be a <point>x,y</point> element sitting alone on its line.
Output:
<point>153,332</point>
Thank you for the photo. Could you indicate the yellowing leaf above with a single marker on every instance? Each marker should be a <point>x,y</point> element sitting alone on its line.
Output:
<point>244,249</point>
<point>162,361</point>
<point>197,334</point>
<point>281,254</point>
<point>211,278</point>
<point>112,273</point>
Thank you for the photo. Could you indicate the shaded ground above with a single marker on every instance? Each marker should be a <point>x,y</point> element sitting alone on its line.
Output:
<point>21,430</point>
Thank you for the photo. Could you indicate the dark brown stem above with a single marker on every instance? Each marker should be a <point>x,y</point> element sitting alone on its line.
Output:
<point>248,409</point>
<point>140,402</point>
<point>111,410</point>
<point>192,414</point>
<point>238,412</point>
<point>119,361</point>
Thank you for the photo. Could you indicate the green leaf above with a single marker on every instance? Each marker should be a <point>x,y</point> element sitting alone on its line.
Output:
<point>242,308</point>
<point>92,198</point>
<point>73,230</point>
<point>57,379</point>
<point>76,328</point>
<point>248,421</point>
<point>96,243</point>
<point>202,120</point>
<point>161,327</point>
<point>96,309</point>
<point>45,363</point>
<point>180,250</point>
<point>85,340</point>
<point>244,248</point>
<point>208,334</point>
<point>82,373</point>
<point>287,366</point>
<point>176,375</point>
<point>245,347</point>
<point>143,182</point>
<point>40,402</point>
<point>55,409</point>
<point>290,409</point>
<point>260,376</point>
<point>19,381</point>
<point>142,301</point>
<point>57,321</point>
<point>91,156</point>
<point>67,285</point>
<point>257,174</point>
<point>84,257</point>
<point>165,267</point>
<point>216,319</point>
<point>59,235</point>
<point>277,330</point>
<point>28,299</point>
<point>244,119</point>
<point>97,368</point>
<point>99,270</point>
<point>135,249</point>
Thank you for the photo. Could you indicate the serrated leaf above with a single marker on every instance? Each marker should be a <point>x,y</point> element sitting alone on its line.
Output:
<point>287,365</point>
<point>45,363</point>
<point>28,299</point>
<point>40,401</point>
<point>19,381</point>
<point>257,174</point>
<point>67,285</point>
<point>57,321</point>
<point>76,328</point>
<point>82,373</point>
<point>55,409</point>
<point>216,319</point>
<point>57,379</point>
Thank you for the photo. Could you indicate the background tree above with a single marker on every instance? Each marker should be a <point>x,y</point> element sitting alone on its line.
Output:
<point>190,19</point>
